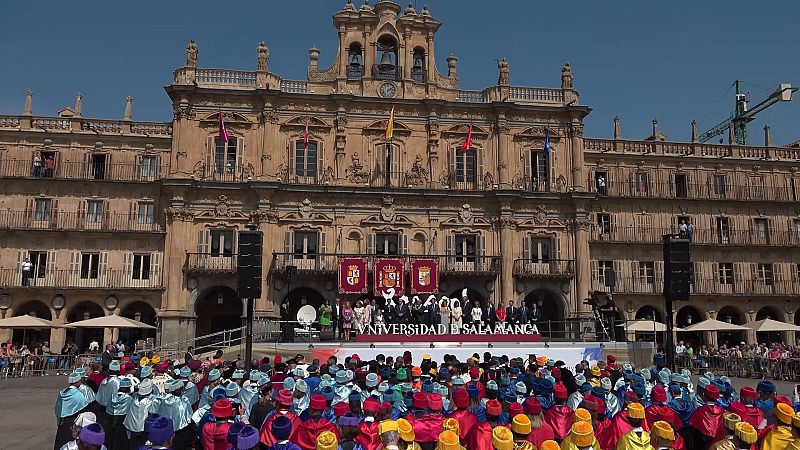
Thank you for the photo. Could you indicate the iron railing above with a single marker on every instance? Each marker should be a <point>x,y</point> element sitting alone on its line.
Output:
<point>83,279</point>
<point>79,170</point>
<point>329,262</point>
<point>62,220</point>
<point>387,72</point>
<point>730,190</point>
<point>699,236</point>
<point>709,286</point>
<point>210,262</point>
<point>224,174</point>
<point>544,268</point>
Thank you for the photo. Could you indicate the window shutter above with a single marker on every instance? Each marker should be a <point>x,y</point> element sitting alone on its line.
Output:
<point>632,184</point>
<point>482,262</point>
<point>738,276</point>
<point>240,148</point>
<point>127,266</point>
<point>658,284</point>
<point>371,243</point>
<point>291,149</point>
<point>450,244</point>
<point>527,156</point>
<point>451,156</point>
<point>30,206</point>
<point>139,173</point>
<point>772,238</point>
<point>288,247</point>
<point>75,262</point>
<point>323,249</point>
<point>617,265</point>
<point>204,241</point>
<point>83,212</point>
<point>403,244</point>
<point>556,248</point>
<point>526,248</point>
<point>480,167</point>
<point>87,166</point>
<point>51,263</point>
<point>697,276</point>
<point>155,269</point>
<point>102,266</point>
<point>106,215</point>
<point>209,166</point>
<point>21,255</point>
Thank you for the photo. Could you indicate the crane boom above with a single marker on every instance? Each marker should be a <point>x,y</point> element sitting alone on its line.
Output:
<point>743,114</point>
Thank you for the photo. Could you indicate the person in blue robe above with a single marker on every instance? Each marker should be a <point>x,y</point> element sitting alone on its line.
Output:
<point>117,409</point>
<point>139,409</point>
<point>69,404</point>
<point>177,408</point>
<point>682,407</point>
<point>214,380</point>
<point>190,389</point>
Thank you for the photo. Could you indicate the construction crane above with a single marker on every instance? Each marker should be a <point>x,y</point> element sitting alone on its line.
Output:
<point>743,114</point>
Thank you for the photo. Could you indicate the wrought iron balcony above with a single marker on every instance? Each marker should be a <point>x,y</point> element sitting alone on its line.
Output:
<point>544,268</point>
<point>355,71</point>
<point>699,236</point>
<point>329,262</point>
<point>83,279</point>
<point>704,286</point>
<point>419,75</point>
<point>224,174</point>
<point>61,220</point>
<point>387,72</point>
<point>79,170</point>
<point>210,263</point>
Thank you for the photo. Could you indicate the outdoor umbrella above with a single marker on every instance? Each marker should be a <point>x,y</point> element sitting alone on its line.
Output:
<point>29,322</point>
<point>648,326</point>
<point>715,325</point>
<point>111,321</point>
<point>771,325</point>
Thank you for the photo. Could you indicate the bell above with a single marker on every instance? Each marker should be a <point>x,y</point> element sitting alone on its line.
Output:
<point>386,59</point>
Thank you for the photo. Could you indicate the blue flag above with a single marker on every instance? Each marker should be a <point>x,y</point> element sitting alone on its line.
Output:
<point>547,141</point>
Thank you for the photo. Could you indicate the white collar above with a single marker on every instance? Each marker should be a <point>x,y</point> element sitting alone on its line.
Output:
<point>638,429</point>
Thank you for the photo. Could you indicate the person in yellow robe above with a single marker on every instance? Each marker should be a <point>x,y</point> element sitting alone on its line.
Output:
<point>407,435</point>
<point>662,435</point>
<point>729,421</point>
<point>637,438</point>
<point>745,436</point>
<point>580,437</point>
<point>781,436</point>
<point>795,445</point>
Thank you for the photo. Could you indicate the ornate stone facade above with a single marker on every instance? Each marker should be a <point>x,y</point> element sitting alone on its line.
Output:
<point>510,218</point>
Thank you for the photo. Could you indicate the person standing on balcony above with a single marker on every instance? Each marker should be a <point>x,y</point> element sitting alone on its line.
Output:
<point>689,231</point>
<point>683,230</point>
<point>511,313</point>
<point>534,316</point>
<point>601,185</point>
<point>477,314</point>
<point>37,165</point>
<point>49,167</point>
<point>325,316</point>
<point>347,319</point>
<point>27,268</point>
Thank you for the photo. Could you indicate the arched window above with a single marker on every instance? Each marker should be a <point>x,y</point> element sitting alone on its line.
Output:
<point>226,158</point>
<point>418,70</point>
<point>386,55</point>
<point>355,66</point>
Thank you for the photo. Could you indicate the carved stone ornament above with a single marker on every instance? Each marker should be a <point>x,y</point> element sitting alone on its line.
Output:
<point>263,216</point>
<point>263,56</point>
<point>326,176</point>
<point>507,223</point>
<point>271,116</point>
<point>355,172</point>
<point>418,175</point>
<point>630,307</point>
<point>179,214</point>
<point>191,54</point>
<point>222,207</point>
<point>561,183</point>
<point>306,209</point>
<point>465,214</point>
<point>540,215</point>
<point>488,181</point>
<point>387,210</point>
<point>315,74</point>
<point>519,180</point>
<point>183,112</point>
<point>341,122</point>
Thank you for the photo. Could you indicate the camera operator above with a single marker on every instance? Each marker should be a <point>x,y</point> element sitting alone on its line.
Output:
<point>608,312</point>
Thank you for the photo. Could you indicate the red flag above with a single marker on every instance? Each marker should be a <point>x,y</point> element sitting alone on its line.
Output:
<point>223,132</point>
<point>468,142</point>
<point>305,133</point>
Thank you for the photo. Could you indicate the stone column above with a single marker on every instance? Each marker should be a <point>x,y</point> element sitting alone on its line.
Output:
<point>179,235</point>
<point>507,226</point>
<point>503,130</point>
<point>576,142</point>
<point>583,271</point>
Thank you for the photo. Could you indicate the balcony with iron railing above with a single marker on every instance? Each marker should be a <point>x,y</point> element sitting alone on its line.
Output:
<point>387,72</point>
<point>83,279</point>
<point>210,263</point>
<point>355,72</point>
<point>544,268</point>
<point>224,174</point>
<point>419,75</point>
<point>698,236</point>
<point>329,262</point>
<point>731,190</point>
<point>704,286</point>
<point>79,170</point>
<point>60,220</point>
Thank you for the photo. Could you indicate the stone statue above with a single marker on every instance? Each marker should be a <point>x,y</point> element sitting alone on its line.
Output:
<point>263,56</point>
<point>566,77</point>
<point>504,72</point>
<point>191,54</point>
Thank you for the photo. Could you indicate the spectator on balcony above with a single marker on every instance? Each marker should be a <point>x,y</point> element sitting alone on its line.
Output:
<point>683,230</point>
<point>27,268</point>
<point>689,231</point>
<point>378,318</point>
<point>37,165</point>
<point>601,185</point>
<point>49,167</point>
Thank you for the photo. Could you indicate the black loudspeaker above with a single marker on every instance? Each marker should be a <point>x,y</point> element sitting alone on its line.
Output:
<point>249,263</point>
<point>291,272</point>
<point>677,269</point>
<point>609,278</point>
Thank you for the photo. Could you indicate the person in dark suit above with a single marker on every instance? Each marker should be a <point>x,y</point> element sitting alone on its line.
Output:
<point>466,307</point>
<point>336,319</point>
<point>491,313</point>
<point>522,314</point>
<point>534,317</point>
<point>511,313</point>
<point>433,313</point>
<point>403,311</point>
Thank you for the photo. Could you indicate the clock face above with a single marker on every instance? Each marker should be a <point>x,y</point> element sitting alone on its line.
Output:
<point>388,90</point>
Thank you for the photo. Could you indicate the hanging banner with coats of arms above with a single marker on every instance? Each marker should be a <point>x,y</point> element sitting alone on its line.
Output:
<point>424,276</point>
<point>389,273</point>
<point>353,276</point>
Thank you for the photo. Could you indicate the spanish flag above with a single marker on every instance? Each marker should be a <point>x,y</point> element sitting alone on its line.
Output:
<point>390,126</point>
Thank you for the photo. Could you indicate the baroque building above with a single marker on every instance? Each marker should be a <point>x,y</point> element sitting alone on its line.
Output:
<point>141,218</point>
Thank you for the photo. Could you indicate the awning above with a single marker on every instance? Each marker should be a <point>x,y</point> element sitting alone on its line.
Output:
<point>31,322</point>
<point>651,326</point>
<point>112,321</point>
<point>715,325</point>
<point>771,325</point>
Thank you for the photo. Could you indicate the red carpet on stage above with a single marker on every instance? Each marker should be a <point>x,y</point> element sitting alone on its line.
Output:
<point>400,338</point>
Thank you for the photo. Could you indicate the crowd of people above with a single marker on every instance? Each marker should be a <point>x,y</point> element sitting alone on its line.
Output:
<point>343,318</point>
<point>488,402</point>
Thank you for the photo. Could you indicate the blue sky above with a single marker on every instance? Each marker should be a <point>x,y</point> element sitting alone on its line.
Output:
<point>636,59</point>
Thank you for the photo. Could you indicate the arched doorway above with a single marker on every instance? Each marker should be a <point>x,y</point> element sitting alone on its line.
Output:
<point>650,314</point>
<point>302,296</point>
<point>769,312</point>
<point>219,309</point>
<point>29,337</point>
<point>687,316</point>
<point>82,337</point>
<point>472,295</point>
<point>552,312</point>
<point>142,312</point>
<point>732,315</point>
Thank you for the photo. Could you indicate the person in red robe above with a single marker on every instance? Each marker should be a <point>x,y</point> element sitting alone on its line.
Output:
<point>368,436</point>
<point>559,417</point>
<point>620,424</point>
<point>283,402</point>
<point>466,418</point>
<point>306,432</point>
<point>474,375</point>
<point>215,434</point>
<point>745,408</point>
<point>540,430</point>
<point>428,427</point>
<point>658,410</point>
<point>611,363</point>
<point>480,437</point>
<point>705,425</point>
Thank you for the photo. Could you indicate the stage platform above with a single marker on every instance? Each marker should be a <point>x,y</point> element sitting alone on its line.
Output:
<point>569,352</point>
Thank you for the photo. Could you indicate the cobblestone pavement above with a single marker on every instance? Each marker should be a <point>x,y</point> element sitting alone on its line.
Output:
<point>28,420</point>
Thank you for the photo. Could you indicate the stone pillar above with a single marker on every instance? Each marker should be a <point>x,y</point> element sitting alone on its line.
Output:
<point>179,234</point>
<point>583,270</point>
<point>576,143</point>
<point>503,130</point>
<point>507,235</point>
